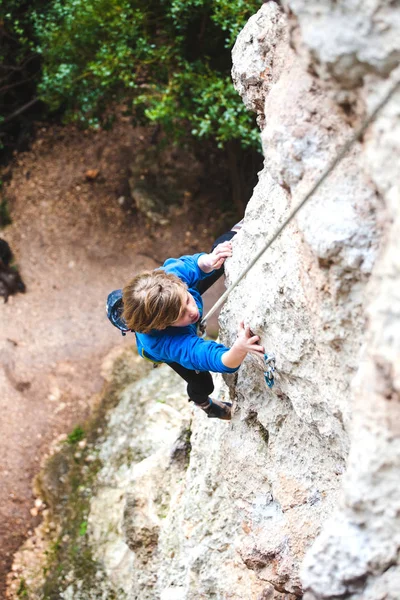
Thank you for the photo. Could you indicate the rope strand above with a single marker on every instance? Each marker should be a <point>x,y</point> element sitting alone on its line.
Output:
<point>342,152</point>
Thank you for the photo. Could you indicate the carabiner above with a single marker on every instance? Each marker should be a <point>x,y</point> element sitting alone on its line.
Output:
<point>269,373</point>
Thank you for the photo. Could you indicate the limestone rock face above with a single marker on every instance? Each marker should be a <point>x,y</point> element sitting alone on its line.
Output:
<point>342,259</point>
<point>165,527</point>
<point>299,495</point>
<point>259,56</point>
<point>307,298</point>
<point>348,40</point>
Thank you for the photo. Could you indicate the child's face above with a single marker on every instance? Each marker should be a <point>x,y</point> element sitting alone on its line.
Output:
<point>190,313</point>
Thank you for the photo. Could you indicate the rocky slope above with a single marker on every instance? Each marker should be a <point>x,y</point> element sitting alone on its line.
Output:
<point>298,495</point>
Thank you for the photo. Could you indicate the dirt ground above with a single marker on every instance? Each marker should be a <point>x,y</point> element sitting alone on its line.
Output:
<point>74,240</point>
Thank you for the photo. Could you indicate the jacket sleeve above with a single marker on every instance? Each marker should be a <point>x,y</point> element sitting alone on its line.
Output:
<point>186,268</point>
<point>196,354</point>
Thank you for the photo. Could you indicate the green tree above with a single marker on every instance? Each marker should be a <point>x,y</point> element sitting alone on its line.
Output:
<point>167,60</point>
<point>19,69</point>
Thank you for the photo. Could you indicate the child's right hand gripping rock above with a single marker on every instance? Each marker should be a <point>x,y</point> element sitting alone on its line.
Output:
<point>245,342</point>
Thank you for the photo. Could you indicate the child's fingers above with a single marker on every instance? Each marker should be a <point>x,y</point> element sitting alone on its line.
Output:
<point>223,252</point>
<point>224,247</point>
<point>222,255</point>
<point>257,350</point>
<point>216,261</point>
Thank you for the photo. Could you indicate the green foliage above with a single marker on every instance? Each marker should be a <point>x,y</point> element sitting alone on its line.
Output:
<point>22,591</point>
<point>83,528</point>
<point>168,60</point>
<point>207,102</point>
<point>76,435</point>
<point>19,72</point>
<point>70,504</point>
<point>5,217</point>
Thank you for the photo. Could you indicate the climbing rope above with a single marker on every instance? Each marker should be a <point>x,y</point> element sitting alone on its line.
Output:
<point>346,147</point>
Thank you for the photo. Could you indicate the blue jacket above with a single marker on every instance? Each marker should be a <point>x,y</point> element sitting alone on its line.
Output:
<point>181,344</point>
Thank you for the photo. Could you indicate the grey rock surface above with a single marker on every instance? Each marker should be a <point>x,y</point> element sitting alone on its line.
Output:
<point>357,554</point>
<point>348,40</point>
<point>258,58</point>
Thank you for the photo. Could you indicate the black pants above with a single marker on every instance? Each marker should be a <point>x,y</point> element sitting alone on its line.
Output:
<point>200,384</point>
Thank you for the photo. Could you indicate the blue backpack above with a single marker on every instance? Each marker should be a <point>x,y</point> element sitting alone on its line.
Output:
<point>114,308</point>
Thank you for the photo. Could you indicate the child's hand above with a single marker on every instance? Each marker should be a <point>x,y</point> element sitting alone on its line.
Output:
<point>246,341</point>
<point>215,260</point>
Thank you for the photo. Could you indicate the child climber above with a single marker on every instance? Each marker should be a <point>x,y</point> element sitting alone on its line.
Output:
<point>163,307</point>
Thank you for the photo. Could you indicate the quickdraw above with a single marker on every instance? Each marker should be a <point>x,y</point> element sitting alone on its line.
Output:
<point>269,373</point>
<point>269,359</point>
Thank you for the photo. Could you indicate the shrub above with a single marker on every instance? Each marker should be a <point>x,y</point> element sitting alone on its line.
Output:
<point>167,60</point>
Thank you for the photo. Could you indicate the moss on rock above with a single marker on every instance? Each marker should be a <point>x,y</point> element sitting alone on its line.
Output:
<point>66,484</point>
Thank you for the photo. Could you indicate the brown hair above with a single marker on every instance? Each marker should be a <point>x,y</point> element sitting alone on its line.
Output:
<point>153,300</point>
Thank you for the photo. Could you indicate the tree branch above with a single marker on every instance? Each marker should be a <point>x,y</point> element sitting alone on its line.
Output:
<point>13,85</point>
<point>20,110</point>
<point>20,67</point>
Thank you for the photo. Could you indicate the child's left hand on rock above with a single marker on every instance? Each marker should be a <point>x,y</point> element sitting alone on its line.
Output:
<point>215,260</point>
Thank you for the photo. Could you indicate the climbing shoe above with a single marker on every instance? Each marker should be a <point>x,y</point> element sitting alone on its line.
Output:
<point>217,410</point>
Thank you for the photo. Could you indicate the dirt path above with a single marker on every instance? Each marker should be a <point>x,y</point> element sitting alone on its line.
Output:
<point>74,240</point>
